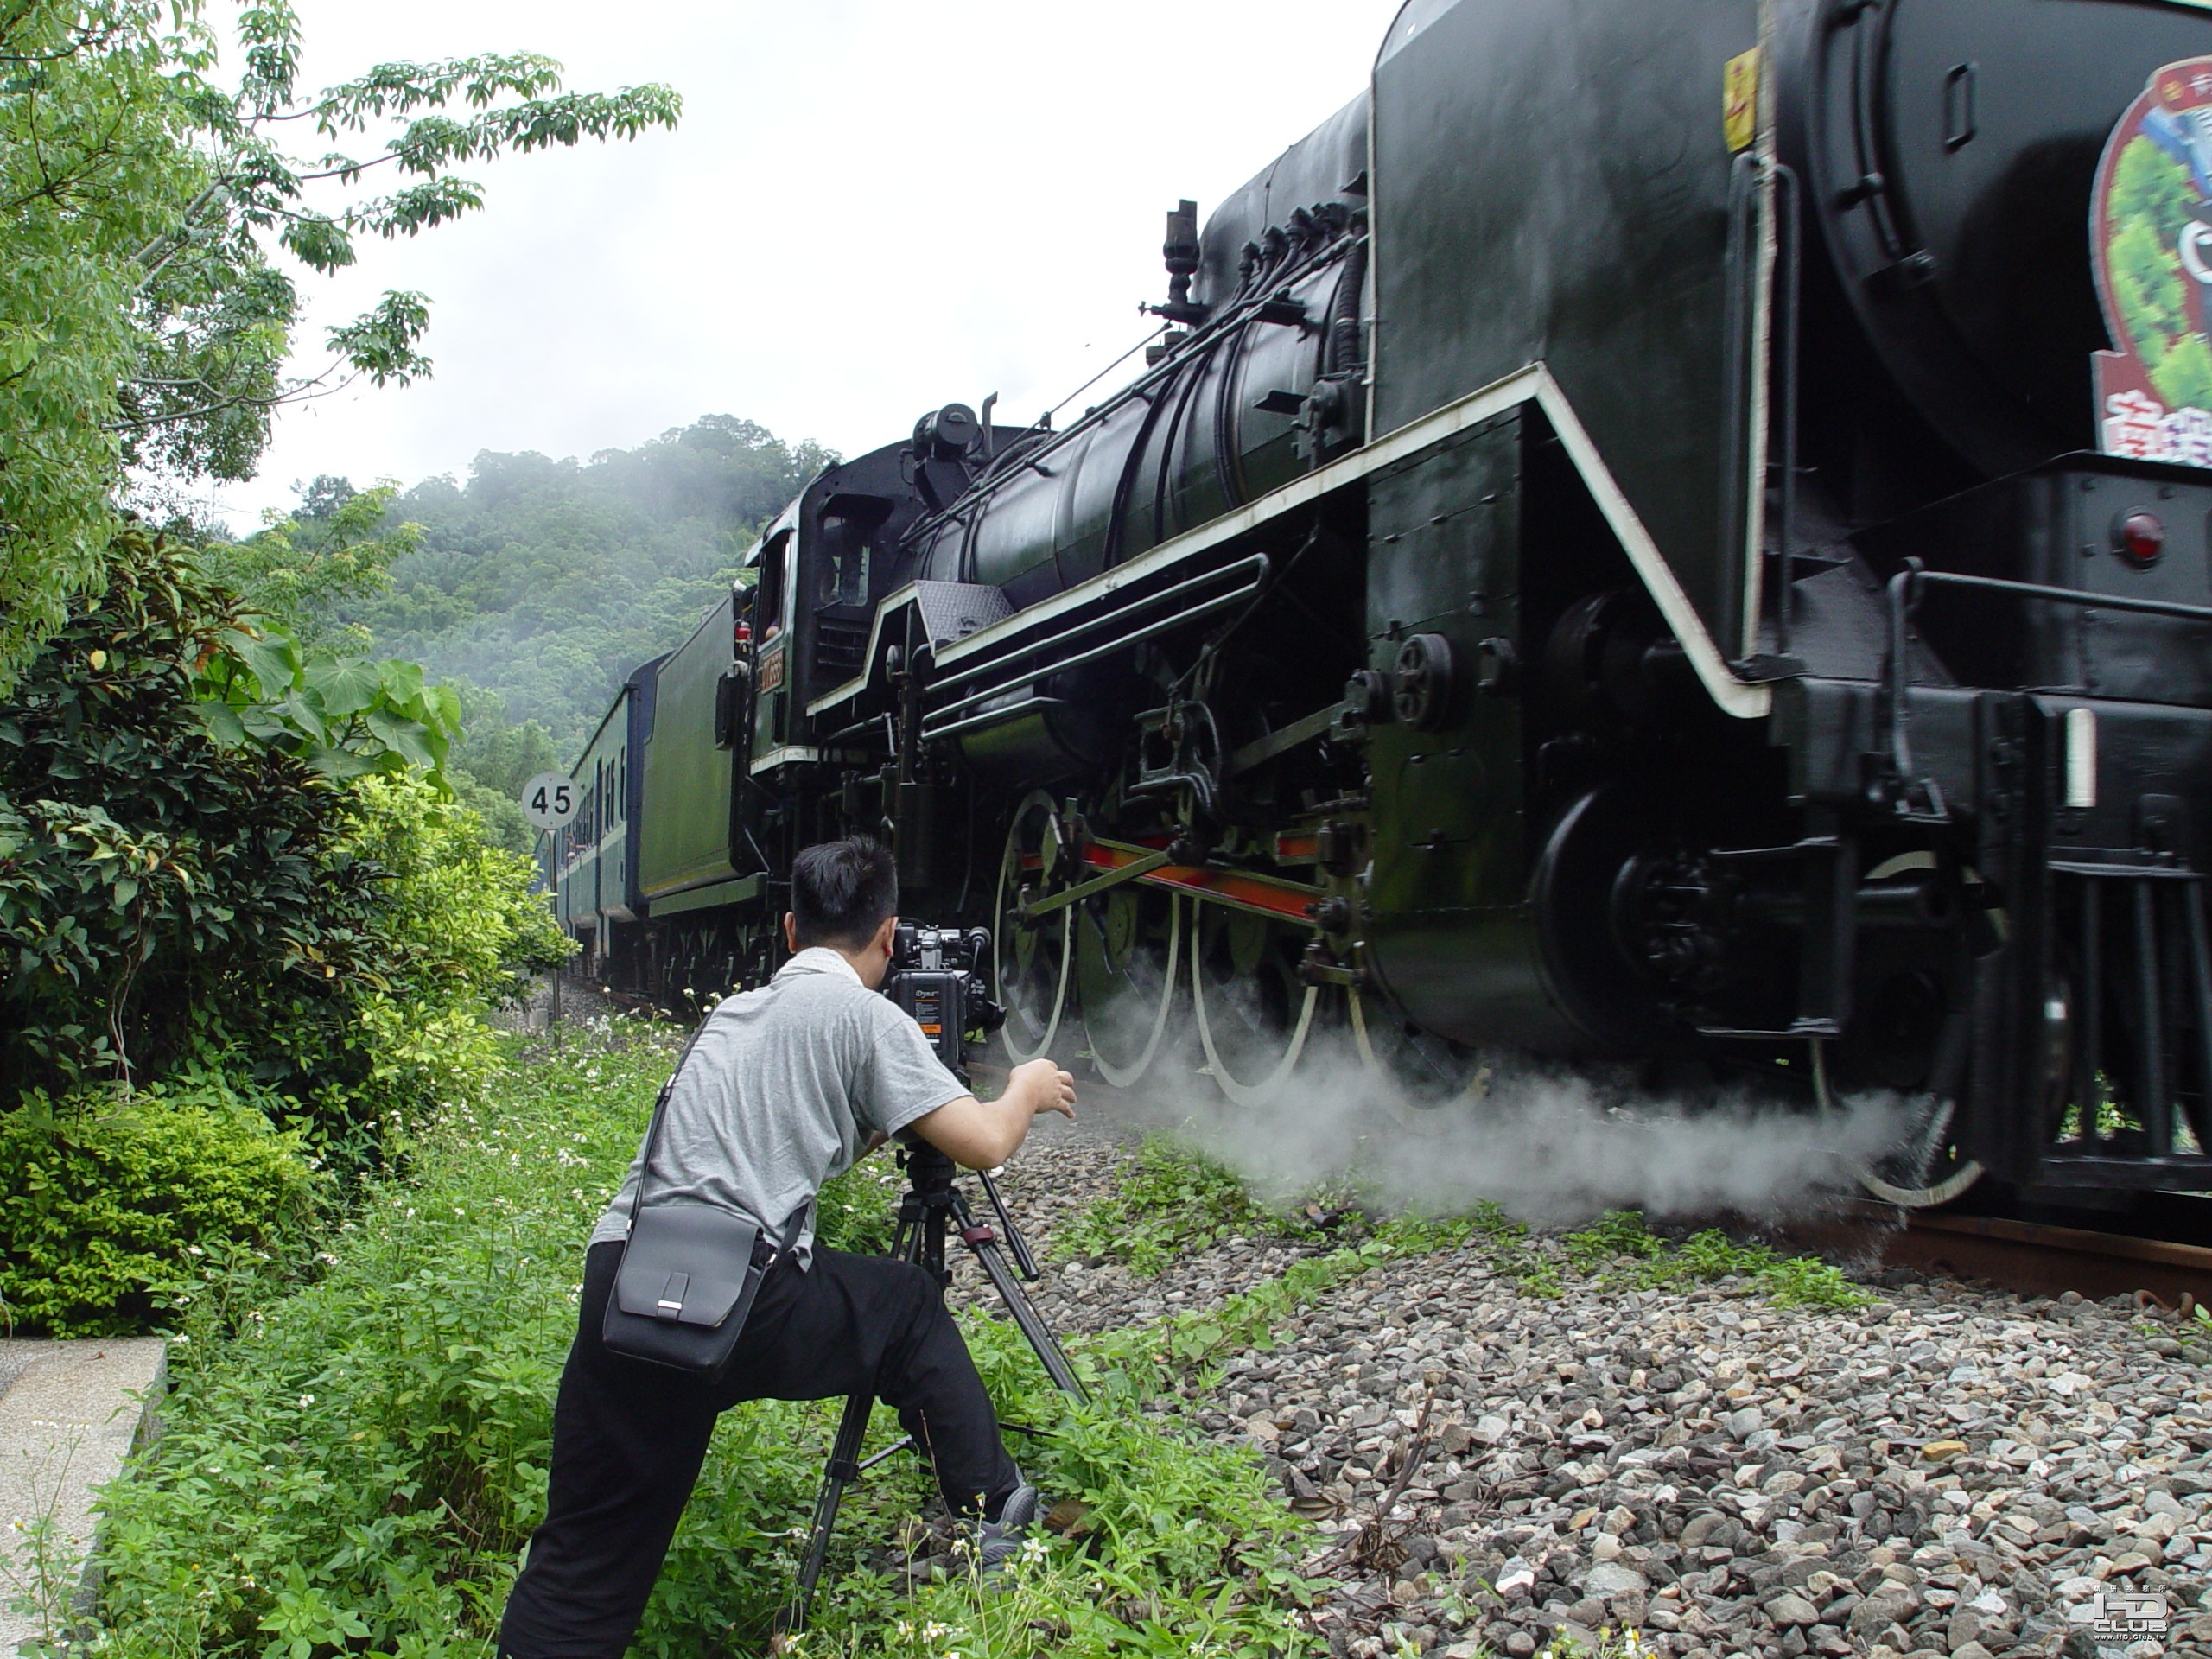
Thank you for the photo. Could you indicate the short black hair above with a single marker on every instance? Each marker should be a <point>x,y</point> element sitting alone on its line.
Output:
<point>843,891</point>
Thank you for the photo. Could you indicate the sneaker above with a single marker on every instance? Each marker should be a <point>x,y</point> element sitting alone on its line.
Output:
<point>998,1541</point>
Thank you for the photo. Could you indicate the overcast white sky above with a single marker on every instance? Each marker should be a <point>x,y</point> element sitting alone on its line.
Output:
<point>872,207</point>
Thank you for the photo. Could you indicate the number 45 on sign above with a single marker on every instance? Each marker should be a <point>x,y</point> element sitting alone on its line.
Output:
<point>548,800</point>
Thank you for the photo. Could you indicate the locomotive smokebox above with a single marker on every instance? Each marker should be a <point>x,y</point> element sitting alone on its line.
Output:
<point>1948,149</point>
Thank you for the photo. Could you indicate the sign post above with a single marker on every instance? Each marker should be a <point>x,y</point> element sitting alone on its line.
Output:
<point>550,802</point>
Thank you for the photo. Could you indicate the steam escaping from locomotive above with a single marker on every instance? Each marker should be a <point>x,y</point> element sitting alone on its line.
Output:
<point>1547,1146</point>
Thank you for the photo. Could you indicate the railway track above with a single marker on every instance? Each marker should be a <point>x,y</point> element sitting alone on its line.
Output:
<point>2041,1259</point>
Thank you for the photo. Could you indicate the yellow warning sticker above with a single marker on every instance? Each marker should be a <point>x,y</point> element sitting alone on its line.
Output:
<point>1740,100</point>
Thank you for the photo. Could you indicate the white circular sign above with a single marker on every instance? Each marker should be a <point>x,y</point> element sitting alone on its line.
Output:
<point>548,800</point>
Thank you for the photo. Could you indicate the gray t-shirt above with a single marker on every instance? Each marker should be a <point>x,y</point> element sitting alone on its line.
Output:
<point>780,1093</point>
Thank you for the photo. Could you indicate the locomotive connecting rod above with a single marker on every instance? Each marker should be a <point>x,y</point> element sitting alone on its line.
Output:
<point>1246,890</point>
<point>1028,912</point>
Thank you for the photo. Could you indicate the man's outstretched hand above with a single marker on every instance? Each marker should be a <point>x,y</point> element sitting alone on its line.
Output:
<point>1049,1088</point>
<point>984,1133</point>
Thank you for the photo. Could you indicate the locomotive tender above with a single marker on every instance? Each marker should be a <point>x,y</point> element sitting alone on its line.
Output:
<point>1675,532</point>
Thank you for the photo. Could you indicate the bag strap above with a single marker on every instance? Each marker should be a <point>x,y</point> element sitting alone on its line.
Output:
<point>660,1110</point>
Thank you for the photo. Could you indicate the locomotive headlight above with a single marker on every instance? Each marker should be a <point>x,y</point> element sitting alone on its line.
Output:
<point>2139,538</point>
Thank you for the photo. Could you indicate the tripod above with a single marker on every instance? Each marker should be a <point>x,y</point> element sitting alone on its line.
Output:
<point>931,1208</point>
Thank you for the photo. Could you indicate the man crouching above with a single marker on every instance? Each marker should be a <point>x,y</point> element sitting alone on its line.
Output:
<point>785,1087</point>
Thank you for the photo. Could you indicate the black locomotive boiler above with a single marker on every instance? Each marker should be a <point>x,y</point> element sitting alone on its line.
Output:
<point>1674,532</point>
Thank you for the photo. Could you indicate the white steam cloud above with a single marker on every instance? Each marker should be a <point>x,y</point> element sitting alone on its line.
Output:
<point>1549,1146</point>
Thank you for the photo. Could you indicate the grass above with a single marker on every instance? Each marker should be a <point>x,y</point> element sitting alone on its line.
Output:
<point>1170,1201</point>
<point>351,1465</point>
<point>1620,1248</point>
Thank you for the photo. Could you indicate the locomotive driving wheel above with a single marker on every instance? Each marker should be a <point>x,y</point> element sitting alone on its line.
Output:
<point>1128,945</point>
<point>1253,1013</point>
<point>1029,958</point>
<point>1421,1079</point>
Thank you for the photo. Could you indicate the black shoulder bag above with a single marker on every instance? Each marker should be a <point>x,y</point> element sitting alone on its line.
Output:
<point>688,1274</point>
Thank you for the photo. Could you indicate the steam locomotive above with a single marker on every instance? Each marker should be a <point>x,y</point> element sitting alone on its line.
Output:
<point>1674,533</point>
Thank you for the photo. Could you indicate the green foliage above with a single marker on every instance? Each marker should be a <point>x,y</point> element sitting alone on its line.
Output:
<point>1616,1235</point>
<point>114,1199</point>
<point>94,167</point>
<point>152,214</point>
<point>156,885</point>
<point>461,931</point>
<point>1507,1246</point>
<point>302,568</point>
<point>859,1209</point>
<point>460,913</point>
<point>548,582</point>
<point>491,761</point>
<point>1169,1200</point>
<point>2196,1335</point>
<point>345,716</point>
<point>170,898</point>
<point>383,1432</point>
<point>1619,1245</point>
<point>373,1446</point>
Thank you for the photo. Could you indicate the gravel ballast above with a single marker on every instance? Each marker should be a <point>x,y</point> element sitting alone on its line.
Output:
<point>1949,1469</point>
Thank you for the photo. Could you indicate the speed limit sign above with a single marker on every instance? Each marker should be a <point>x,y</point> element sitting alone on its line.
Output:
<point>548,800</point>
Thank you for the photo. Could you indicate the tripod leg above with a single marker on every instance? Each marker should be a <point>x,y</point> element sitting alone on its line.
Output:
<point>845,1469</point>
<point>1045,1345</point>
<point>1016,1245</point>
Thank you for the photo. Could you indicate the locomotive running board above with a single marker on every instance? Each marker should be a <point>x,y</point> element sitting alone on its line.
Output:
<point>1532,384</point>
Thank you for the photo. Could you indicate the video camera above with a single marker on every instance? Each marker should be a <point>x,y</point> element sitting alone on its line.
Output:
<point>935,980</point>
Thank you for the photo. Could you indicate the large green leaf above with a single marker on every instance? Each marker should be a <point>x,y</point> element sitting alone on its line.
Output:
<point>274,659</point>
<point>404,736</point>
<point>346,685</point>
<point>299,709</point>
<point>222,723</point>
<point>403,681</point>
<point>445,708</point>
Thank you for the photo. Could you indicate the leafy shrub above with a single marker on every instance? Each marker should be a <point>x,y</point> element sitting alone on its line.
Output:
<point>193,874</point>
<point>462,932</point>
<point>163,893</point>
<point>113,1200</point>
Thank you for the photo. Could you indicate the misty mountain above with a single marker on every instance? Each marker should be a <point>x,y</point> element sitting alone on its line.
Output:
<point>546,582</point>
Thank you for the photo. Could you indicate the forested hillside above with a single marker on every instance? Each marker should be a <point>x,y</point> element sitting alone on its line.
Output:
<point>546,582</point>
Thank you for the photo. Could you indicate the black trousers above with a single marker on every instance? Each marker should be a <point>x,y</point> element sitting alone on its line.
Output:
<point>628,1438</point>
